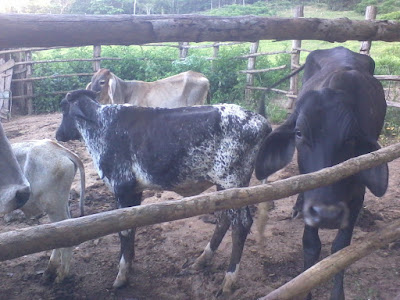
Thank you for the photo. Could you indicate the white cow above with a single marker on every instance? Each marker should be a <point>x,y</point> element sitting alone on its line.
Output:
<point>184,89</point>
<point>50,169</point>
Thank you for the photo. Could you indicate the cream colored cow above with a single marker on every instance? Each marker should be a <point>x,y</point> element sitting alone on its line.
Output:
<point>184,89</point>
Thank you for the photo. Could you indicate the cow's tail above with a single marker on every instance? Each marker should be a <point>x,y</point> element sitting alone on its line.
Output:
<point>208,96</point>
<point>261,102</point>
<point>78,164</point>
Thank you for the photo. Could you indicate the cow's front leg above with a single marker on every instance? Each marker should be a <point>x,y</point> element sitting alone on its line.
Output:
<point>223,223</point>
<point>241,223</point>
<point>127,238</point>
<point>343,239</point>
<point>311,248</point>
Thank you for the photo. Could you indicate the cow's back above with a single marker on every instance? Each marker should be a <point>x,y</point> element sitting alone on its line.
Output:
<point>184,89</point>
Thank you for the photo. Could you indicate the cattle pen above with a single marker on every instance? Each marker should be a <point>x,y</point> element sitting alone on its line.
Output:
<point>23,80</point>
<point>39,238</point>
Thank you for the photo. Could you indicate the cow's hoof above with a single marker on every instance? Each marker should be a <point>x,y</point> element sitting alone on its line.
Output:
<point>223,294</point>
<point>297,214</point>
<point>49,275</point>
<point>119,283</point>
<point>199,264</point>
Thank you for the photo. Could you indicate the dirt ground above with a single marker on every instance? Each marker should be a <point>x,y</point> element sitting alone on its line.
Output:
<point>163,249</point>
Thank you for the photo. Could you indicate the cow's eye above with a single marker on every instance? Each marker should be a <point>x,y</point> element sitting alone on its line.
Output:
<point>298,133</point>
<point>102,82</point>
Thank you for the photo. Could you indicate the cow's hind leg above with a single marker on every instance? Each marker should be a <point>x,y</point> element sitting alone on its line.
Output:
<point>241,223</point>
<point>223,223</point>
<point>127,238</point>
<point>58,210</point>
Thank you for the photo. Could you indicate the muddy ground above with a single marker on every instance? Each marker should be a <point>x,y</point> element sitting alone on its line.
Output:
<point>163,249</point>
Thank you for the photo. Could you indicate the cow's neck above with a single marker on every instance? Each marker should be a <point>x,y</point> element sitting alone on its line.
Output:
<point>94,138</point>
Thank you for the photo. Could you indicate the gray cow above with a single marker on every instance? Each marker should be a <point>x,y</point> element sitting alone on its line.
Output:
<point>14,187</point>
<point>184,89</point>
<point>50,169</point>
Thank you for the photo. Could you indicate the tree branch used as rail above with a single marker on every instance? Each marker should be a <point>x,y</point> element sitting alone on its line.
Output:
<point>43,30</point>
<point>74,231</point>
<point>263,70</point>
<point>65,60</point>
<point>323,271</point>
<point>52,76</point>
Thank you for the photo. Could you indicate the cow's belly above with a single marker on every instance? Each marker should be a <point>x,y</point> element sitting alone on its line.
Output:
<point>192,188</point>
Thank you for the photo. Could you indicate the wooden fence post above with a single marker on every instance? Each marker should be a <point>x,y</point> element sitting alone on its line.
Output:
<point>251,65</point>
<point>19,87</point>
<point>183,49</point>
<point>370,14</point>
<point>295,61</point>
<point>96,54</point>
<point>29,84</point>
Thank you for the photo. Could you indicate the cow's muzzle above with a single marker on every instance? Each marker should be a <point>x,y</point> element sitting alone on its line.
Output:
<point>22,196</point>
<point>326,215</point>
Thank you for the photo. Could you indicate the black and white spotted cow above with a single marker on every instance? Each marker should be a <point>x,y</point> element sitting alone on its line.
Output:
<point>185,150</point>
<point>14,187</point>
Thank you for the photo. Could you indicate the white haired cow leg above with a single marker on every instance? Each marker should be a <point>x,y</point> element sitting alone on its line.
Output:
<point>241,224</point>
<point>223,223</point>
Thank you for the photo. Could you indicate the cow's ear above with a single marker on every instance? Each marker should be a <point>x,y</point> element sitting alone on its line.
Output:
<point>375,179</point>
<point>112,83</point>
<point>84,111</point>
<point>276,150</point>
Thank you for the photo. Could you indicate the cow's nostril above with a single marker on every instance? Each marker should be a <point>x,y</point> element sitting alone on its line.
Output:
<point>22,196</point>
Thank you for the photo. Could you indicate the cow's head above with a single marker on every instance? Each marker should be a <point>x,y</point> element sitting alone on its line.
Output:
<point>325,132</point>
<point>14,187</point>
<point>77,105</point>
<point>103,84</point>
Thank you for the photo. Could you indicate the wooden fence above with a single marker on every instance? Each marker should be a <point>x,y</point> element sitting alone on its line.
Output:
<point>23,79</point>
<point>71,232</point>
<point>47,236</point>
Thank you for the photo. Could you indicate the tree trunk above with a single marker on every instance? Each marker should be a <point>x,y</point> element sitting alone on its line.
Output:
<point>38,30</point>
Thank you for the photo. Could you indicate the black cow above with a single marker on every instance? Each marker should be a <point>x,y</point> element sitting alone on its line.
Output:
<point>185,150</point>
<point>339,115</point>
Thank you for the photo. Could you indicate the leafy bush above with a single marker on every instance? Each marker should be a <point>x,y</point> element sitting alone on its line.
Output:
<point>390,16</point>
<point>384,7</point>
<point>360,7</point>
<point>258,8</point>
<point>389,6</point>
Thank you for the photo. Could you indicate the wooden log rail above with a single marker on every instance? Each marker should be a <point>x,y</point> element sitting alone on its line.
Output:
<point>323,271</point>
<point>41,30</point>
<point>71,232</point>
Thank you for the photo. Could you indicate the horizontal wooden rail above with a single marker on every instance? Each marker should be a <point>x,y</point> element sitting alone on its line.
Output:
<point>44,30</point>
<point>51,77</point>
<point>64,60</point>
<point>74,231</point>
<point>323,271</point>
<point>265,53</point>
<point>262,70</point>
